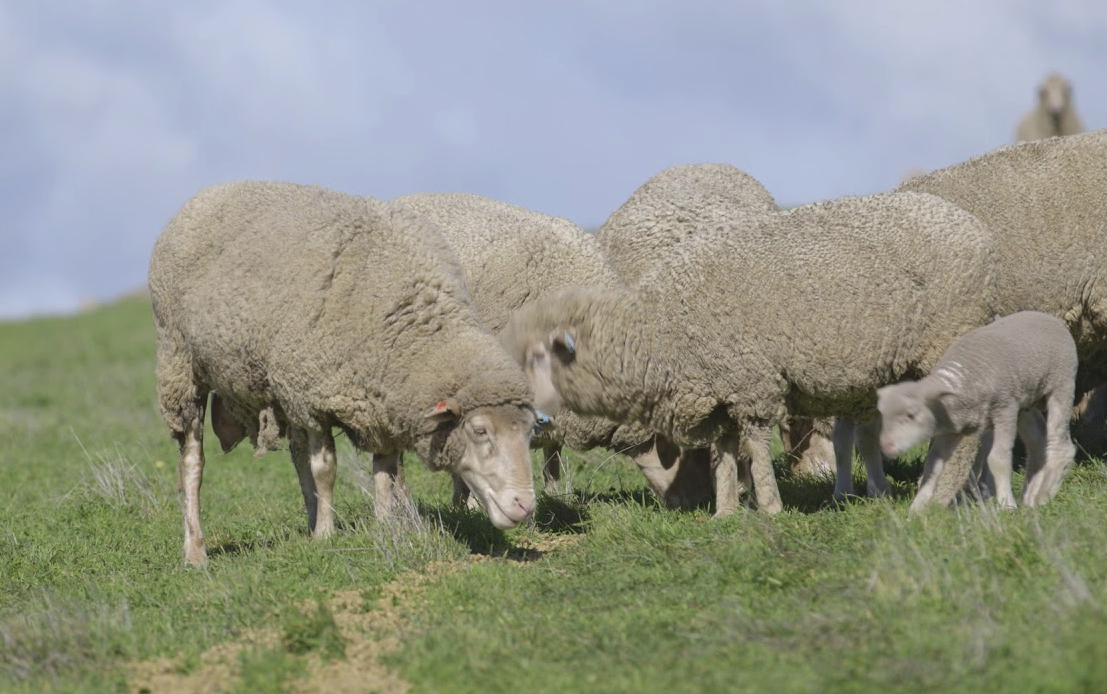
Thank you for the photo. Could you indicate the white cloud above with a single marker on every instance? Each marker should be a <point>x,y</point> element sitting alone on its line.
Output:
<point>119,111</point>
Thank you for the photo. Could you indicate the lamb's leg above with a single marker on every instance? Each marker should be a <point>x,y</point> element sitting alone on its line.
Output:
<point>1032,431</point>
<point>981,482</point>
<point>190,474</point>
<point>941,448</point>
<point>843,457</point>
<point>868,444</point>
<point>1059,451</point>
<point>755,440</point>
<point>551,469</point>
<point>301,459</point>
<point>389,488</point>
<point>1004,429</point>
<point>324,467</point>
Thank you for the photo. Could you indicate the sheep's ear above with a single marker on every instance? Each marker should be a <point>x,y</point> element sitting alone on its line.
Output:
<point>226,428</point>
<point>444,411</point>
<point>936,392</point>
<point>563,343</point>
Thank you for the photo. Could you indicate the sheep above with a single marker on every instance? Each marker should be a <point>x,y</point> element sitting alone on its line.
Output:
<point>304,309</point>
<point>510,256</point>
<point>877,288</point>
<point>1045,204</point>
<point>1054,115</point>
<point>677,203</point>
<point>992,378</point>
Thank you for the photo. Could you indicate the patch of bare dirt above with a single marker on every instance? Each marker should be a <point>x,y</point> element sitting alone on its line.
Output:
<point>370,631</point>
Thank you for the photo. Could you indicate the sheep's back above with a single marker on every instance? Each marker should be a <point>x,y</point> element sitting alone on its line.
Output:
<point>511,255</point>
<point>673,205</point>
<point>1045,203</point>
<point>839,296</point>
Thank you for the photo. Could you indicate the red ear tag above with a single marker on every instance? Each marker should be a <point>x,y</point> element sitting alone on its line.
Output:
<point>439,408</point>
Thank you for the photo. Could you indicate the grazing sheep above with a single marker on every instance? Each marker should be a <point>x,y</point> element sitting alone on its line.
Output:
<point>1054,115</point>
<point>307,309</point>
<point>876,288</point>
<point>675,204</point>
<point>994,377</point>
<point>512,255</point>
<point>1045,205</point>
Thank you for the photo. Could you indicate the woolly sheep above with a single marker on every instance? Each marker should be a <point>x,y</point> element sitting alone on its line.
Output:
<point>1054,113</point>
<point>675,204</point>
<point>306,309</point>
<point>1045,205</point>
<point>994,377</point>
<point>877,288</point>
<point>512,255</point>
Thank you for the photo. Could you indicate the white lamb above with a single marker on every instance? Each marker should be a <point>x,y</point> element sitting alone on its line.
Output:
<point>995,377</point>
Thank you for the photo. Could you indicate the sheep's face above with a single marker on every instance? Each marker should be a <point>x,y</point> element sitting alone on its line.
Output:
<point>906,418</point>
<point>495,461</point>
<point>1055,94</point>
<point>539,371</point>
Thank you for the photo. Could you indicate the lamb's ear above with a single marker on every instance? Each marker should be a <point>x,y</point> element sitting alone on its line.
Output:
<point>444,411</point>
<point>563,343</point>
<point>226,428</point>
<point>936,390</point>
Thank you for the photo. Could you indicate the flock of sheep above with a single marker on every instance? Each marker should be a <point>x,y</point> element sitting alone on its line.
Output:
<point>695,320</point>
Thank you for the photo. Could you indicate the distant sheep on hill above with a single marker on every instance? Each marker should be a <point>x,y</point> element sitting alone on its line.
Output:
<point>1054,114</point>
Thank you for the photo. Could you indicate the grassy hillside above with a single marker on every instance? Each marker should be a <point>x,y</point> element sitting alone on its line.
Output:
<point>604,592</point>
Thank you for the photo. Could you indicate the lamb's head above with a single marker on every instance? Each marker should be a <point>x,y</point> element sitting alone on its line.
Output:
<point>1055,94</point>
<point>909,414</point>
<point>489,448</point>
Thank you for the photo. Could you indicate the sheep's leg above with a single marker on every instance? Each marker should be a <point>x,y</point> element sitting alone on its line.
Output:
<point>1004,429</point>
<point>724,475</point>
<point>755,440</point>
<point>1059,452</point>
<point>390,490</point>
<point>843,457</point>
<point>190,475</point>
<point>551,469</point>
<point>324,467</point>
<point>301,459</point>
<point>941,448</point>
<point>868,444</point>
<point>461,490</point>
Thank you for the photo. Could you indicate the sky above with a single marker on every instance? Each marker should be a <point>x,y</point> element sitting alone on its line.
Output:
<point>114,113</point>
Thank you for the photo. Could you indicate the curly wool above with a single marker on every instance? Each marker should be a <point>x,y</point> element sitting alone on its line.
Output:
<point>317,309</point>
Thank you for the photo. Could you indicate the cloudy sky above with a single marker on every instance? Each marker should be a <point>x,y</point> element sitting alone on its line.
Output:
<point>113,113</point>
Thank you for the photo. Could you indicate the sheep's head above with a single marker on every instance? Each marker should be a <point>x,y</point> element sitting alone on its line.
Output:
<point>909,414</point>
<point>539,361</point>
<point>1055,94</point>
<point>489,448</point>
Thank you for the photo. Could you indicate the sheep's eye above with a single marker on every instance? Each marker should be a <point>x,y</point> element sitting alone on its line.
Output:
<point>479,431</point>
<point>910,415</point>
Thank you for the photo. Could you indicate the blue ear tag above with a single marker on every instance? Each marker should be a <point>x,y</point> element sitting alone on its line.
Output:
<point>541,419</point>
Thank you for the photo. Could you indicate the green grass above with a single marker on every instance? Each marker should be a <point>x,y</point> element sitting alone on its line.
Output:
<point>855,599</point>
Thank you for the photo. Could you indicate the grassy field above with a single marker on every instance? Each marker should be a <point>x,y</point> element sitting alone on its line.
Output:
<point>604,592</point>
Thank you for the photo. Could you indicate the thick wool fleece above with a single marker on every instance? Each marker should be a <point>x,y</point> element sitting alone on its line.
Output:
<point>674,204</point>
<point>878,287</point>
<point>1045,205</point>
<point>323,309</point>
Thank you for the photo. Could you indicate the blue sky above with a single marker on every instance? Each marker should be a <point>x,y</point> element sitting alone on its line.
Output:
<point>113,113</point>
